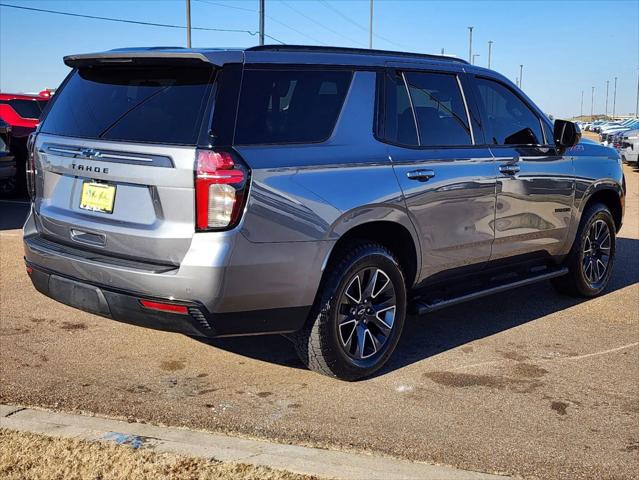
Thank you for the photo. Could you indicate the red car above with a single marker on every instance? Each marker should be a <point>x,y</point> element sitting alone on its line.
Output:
<point>22,113</point>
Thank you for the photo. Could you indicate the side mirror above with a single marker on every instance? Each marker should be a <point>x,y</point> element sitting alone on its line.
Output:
<point>566,134</point>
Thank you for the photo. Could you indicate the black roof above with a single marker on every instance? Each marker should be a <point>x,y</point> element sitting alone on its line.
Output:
<point>352,51</point>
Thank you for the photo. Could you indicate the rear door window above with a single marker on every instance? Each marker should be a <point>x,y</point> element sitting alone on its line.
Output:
<point>152,104</point>
<point>399,120</point>
<point>290,106</point>
<point>510,120</point>
<point>439,109</point>
<point>425,109</point>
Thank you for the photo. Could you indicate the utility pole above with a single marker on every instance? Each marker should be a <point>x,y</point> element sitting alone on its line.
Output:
<point>581,111</point>
<point>470,44</point>
<point>592,104</point>
<point>521,74</point>
<point>261,22</point>
<point>490,49</point>
<point>607,85</point>
<point>475,55</point>
<point>614,100</point>
<point>370,26</point>
<point>188,23</point>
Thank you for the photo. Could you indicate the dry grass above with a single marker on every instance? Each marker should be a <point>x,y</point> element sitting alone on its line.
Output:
<point>30,456</point>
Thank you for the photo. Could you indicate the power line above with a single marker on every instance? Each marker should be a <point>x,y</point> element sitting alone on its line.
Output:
<point>311,19</point>
<point>361,27</point>
<point>234,7</point>
<point>135,22</point>
<point>271,18</point>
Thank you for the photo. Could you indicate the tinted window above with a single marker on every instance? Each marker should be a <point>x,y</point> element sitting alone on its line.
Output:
<point>151,104</point>
<point>28,108</point>
<point>439,109</point>
<point>399,122</point>
<point>289,106</point>
<point>510,120</point>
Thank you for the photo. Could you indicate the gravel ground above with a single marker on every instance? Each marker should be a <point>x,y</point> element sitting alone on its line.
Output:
<point>528,383</point>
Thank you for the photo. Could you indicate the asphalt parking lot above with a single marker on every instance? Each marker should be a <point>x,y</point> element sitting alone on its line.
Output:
<point>527,383</point>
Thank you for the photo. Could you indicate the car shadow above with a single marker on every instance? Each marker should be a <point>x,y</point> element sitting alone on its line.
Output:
<point>13,213</point>
<point>426,336</point>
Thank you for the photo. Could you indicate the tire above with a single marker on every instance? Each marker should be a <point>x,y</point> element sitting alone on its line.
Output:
<point>8,187</point>
<point>347,335</point>
<point>586,277</point>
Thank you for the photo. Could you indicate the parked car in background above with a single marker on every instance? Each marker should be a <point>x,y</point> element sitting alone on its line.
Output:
<point>610,131</point>
<point>629,147</point>
<point>317,192</point>
<point>22,113</point>
<point>7,160</point>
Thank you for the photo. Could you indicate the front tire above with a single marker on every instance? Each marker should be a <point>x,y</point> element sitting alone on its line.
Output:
<point>592,255</point>
<point>358,315</point>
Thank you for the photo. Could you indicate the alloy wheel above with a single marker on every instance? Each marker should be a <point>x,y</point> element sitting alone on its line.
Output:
<point>366,313</point>
<point>596,255</point>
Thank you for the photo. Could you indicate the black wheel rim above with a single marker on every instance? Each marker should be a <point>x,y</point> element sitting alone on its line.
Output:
<point>597,249</point>
<point>366,315</point>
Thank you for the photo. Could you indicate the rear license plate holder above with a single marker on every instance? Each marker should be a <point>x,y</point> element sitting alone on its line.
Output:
<point>97,197</point>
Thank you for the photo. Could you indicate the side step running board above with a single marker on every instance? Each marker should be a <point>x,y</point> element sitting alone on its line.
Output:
<point>421,307</point>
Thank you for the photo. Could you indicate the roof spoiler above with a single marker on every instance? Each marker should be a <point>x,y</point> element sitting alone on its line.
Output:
<point>153,57</point>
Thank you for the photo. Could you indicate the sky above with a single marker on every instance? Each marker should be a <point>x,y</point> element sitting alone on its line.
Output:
<point>566,47</point>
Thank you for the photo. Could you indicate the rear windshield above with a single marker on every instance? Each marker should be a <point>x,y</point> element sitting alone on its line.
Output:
<point>290,106</point>
<point>31,109</point>
<point>151,104</point>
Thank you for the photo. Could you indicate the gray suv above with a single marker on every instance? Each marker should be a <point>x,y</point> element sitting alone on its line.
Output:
<point>320,193</point>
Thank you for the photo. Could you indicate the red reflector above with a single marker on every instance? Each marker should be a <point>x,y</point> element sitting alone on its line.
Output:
<point>29,270</point>
<point>165,307</point>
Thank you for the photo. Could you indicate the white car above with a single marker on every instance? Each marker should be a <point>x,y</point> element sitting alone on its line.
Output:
<point>630,147</point>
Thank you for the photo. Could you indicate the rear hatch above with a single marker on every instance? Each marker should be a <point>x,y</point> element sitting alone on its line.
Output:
<point>115,159</point>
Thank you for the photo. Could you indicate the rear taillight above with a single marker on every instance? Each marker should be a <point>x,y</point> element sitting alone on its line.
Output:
<point>220,184</point>
<point>30,166</point>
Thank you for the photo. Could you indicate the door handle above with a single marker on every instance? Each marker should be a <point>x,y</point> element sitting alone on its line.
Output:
<point>421,175</point>
<point>509,168</point>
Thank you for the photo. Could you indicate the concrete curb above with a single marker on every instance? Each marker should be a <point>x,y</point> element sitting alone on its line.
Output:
<point>304,460</point>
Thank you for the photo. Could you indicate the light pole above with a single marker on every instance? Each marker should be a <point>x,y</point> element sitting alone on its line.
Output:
<point>470,44</point>
<point>188,23</point>
<point>521,74</point>
<point>607,85</point>
<point>581,111</point>
<point>490,50</point>
<point>614,100</point>
<point>370,26</point>
<point>592,104</point>
<point>637,105</point>
<point>475,55</point>
<point>261,22</point>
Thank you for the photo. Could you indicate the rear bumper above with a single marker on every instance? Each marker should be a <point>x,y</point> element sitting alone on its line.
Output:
<point>125,306</point>
<point>238,287</point>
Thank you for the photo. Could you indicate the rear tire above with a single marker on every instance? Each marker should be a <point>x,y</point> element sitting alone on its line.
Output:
<point>358,315</point>
<point>592,255</point>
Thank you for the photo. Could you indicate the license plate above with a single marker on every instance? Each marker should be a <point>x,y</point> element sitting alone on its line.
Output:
<point>97,197</point>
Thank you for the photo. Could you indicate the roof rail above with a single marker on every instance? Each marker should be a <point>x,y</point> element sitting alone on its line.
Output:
<point>346,50</point>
